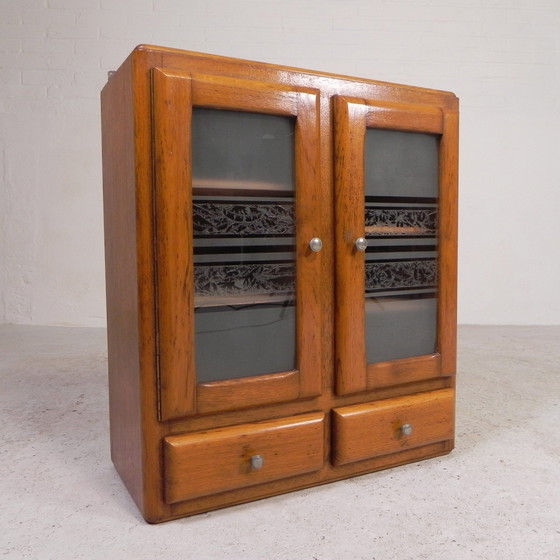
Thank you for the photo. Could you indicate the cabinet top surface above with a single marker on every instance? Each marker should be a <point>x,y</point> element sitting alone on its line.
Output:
<point>332,84</point>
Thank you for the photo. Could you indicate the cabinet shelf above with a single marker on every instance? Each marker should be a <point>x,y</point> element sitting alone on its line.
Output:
<point>242,301</point>
<point>398,230</point>
<point>233,188</point>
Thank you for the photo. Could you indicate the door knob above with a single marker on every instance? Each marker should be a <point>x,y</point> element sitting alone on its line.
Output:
<point>406,429</point>
<point>315,244</point>
<point>361,243</point>
<point>257,462</point>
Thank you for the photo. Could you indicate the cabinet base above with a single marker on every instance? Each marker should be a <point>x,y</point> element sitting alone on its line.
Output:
<point>327,475</point>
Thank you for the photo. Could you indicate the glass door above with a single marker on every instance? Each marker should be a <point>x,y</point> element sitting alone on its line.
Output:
<point>401,187</point>
<point>390,174</point>
<point>244,244</point>
<point>237,174</point>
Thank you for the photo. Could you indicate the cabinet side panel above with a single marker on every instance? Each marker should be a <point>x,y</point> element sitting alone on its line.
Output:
<point>121,278</point>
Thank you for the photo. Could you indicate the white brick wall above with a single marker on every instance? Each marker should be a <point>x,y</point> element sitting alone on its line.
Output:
<point>502,57</point>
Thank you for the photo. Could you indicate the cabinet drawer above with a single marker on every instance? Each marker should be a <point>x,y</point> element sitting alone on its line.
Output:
<point>228,458</point>
<point>369,430</point>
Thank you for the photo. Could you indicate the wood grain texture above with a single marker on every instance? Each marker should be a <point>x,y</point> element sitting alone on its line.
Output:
<point>247,392</point>
<point>152,430</point>
<point>349,132</point>
<point>219,460</point>
<point>234,94</point>
<point>174,242</point>
<point>311,208</point>
<point>330,84</point>
<point>300,482</point>
<point>448,235</point>
<point>325,402</point>
<point>396,372</point>
<point>404,116</point>
<point>121,274</point>
<point>372,429</point>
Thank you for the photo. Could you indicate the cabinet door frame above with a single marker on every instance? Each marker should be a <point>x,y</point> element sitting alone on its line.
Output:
<point>175,92</point>
<point>352,117</point>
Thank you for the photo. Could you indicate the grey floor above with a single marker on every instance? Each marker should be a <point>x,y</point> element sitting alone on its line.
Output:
<point>497,496</point>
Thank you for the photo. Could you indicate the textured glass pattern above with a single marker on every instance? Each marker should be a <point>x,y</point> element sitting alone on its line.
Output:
<point>400,275</point>
<point>401,223</point>
<point>238,218</point>
<point>244,229</point>
<point>244,279</point>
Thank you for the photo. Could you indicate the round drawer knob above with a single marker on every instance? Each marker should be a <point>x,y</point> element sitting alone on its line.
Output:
<point>361,243</point>
<point>315,244</point>
<point>406,429</point>
<point>257,462</point>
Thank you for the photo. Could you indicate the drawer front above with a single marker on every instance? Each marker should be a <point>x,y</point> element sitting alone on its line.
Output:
<point>369,430</point>
<point>210,462</point>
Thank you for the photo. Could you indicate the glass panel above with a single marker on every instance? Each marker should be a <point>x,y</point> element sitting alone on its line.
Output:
<point>401,216</point>
<point>243,206</point>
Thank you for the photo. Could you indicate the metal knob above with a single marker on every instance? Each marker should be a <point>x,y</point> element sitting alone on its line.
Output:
<point>257,462</point>
<point>315,244</point>
<point>406,429</point>
<point>361,243</point>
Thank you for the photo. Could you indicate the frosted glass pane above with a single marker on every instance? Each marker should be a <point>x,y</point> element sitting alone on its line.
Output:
<point>243,150</point>
<point>400,328</point>
<point>401,218</point>
<point>244,230</point>
<point>401,164</point>
<point>238,342</point>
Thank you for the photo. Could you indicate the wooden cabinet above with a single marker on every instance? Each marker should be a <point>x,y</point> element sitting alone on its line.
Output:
<point>281,277</point>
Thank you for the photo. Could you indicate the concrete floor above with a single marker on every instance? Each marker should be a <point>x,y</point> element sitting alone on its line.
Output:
<point>496,496</point>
